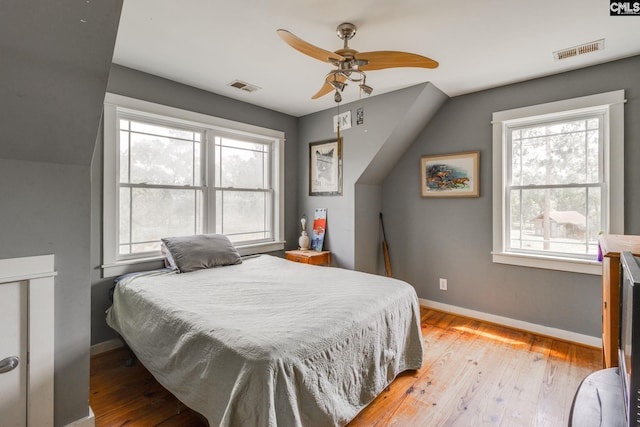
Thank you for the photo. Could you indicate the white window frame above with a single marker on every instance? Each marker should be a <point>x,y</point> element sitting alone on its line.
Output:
<point>113,264</point>
<point>214,188</point>
<point>612,104</point>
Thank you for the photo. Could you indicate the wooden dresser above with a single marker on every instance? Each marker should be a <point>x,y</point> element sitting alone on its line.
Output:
<point>612,245</point>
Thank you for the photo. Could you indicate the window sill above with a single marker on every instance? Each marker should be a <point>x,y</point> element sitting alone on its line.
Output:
<point>119,268</point>
<point>260,248</point>
<point>550,263</point>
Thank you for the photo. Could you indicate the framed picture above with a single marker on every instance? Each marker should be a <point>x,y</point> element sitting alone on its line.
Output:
<point>325,168</point>
<point>450,175</point>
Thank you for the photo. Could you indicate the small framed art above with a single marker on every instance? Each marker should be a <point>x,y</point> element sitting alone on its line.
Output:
<point>450,175</point>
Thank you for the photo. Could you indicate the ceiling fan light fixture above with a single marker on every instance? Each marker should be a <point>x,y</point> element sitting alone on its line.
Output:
<point>337,97</point>
<point>366,89</point>
<point>338,85</point>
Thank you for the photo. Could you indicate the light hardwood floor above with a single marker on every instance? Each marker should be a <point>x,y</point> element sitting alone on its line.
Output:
<point>474,374</point>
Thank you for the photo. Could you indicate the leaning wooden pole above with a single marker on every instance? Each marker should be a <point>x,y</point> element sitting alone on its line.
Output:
<point>385,250</point>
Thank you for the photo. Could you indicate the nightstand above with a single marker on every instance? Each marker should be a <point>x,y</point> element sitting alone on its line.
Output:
<point>309,256</point>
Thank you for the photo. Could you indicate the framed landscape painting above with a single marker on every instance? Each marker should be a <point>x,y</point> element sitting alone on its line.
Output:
<point>325,168</point>
<point>450,175</point>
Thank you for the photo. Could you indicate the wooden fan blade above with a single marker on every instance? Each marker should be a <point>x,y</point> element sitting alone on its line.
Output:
<point>307,48</point>
<point>390,59</point>
<point>327,88</point>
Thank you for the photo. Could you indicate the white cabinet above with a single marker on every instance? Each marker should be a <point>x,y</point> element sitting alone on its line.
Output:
<point>26,341</point>
<point>13,354</point>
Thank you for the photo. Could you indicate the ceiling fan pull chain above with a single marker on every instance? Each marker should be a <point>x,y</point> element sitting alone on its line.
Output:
<point>337,93</point>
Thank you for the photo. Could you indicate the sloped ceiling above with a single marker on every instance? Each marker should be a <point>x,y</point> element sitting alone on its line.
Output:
<point>416,117</point>
<point>55,59</point>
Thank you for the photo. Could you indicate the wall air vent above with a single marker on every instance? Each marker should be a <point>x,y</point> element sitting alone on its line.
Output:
<point>579,50</point>
<point>244,86</point>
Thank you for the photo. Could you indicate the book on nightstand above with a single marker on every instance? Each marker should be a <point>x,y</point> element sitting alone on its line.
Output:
<point>319,228</point>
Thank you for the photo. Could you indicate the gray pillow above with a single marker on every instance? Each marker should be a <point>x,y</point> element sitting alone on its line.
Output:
<point>201,251</point>
<point>168,259</point>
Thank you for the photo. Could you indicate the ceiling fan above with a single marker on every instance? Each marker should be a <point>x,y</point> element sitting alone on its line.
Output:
<point>351,64</point>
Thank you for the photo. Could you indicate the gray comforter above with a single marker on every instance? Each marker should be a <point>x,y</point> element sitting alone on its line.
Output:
<point>271,342</point>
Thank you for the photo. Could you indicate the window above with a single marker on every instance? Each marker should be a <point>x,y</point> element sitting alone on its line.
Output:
<point>171,172</point>
<point>160,184</point>
<point>243,189</point>
<point>558,182</point>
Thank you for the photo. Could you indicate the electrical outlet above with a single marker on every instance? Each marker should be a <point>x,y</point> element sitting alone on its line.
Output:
<point>443,284</point>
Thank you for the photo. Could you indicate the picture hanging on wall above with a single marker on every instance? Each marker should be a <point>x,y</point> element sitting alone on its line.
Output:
<point>325,168</point>
<point>450,175</point>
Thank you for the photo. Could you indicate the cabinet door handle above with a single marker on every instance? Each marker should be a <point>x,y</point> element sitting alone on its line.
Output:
<point>9,364</point>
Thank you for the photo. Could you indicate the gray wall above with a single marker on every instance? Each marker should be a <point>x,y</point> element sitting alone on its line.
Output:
<point>55,62</point>
<point>53,75</point>
<point>128,82</point>
<point>452,238</point>
<point>391,123</point>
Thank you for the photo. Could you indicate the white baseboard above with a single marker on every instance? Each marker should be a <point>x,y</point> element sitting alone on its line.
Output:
<point>517,324</point>
<point>89,421</point>
<point>105,346</point>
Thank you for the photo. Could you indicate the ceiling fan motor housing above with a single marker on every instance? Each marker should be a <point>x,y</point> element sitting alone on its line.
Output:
<point>346,31</point>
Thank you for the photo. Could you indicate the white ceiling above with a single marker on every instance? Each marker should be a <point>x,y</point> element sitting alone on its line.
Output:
<point>479,44</point>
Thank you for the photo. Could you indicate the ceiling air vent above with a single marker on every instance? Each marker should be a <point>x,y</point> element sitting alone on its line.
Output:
<point>579,50</point>
<point>243,86</point>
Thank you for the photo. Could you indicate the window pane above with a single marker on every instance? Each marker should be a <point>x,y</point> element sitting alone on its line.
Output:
<point>594,169</point>
<point>158,130</point>
<point>555,154</point>
<point>125,220</point>
<point>160,155</point>
<point>556,220</point>
<point>243,215</point>
<point>241,164</point>
<point>198,170</point>
<point>516,160</point>
<point>243,145</point>
<point>157,213</point>
<point>160,160</point>
<point>517,225</point>
<point>593,123</point>
<point>124,156</point>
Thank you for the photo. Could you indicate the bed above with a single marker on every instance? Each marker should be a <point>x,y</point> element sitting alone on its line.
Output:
<point>269,342</point>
